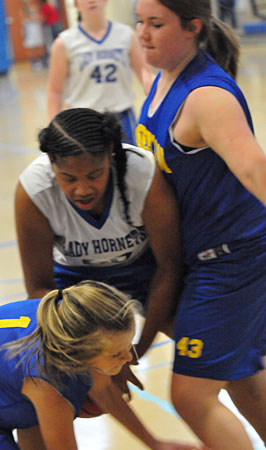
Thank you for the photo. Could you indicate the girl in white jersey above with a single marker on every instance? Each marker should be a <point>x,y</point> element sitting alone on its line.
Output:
<point>91,66</point>
<point>88,209</point>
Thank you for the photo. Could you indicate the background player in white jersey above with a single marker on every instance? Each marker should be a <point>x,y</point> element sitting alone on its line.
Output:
<point>60,349</point>
<point>91,66</point>
<point>88,209</point>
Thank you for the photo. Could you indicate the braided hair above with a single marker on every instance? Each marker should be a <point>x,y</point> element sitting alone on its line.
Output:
<point>83,130</point>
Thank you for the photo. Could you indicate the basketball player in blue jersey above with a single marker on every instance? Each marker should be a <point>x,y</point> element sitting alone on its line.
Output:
<point>197,123</point>
<point>88,209</point>
<point>55,351</point>
<point>91,66</point>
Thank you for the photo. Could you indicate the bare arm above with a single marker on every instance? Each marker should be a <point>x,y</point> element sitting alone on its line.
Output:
<point>55,414</point>
<point>35,240</point>
<point>108,396</point>
<point>162,225</point>
<point>212,116</point>
<point>139,65</point>
<point>57,76</point>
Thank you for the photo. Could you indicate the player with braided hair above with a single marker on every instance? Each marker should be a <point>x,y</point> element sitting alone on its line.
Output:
<point>88,209</point>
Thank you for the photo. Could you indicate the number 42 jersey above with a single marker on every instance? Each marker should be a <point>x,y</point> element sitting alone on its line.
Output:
<point>99,70</point>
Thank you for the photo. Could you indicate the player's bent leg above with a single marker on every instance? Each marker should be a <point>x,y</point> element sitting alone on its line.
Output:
<point>249,396</point>
<point>30,439</point>
<point>196,400</point>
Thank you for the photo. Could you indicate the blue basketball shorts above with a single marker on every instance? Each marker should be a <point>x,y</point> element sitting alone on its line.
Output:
<point>220,329</point>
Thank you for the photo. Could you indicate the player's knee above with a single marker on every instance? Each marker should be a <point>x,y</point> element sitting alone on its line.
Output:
<point>181,398</point>
<point>186,392</point>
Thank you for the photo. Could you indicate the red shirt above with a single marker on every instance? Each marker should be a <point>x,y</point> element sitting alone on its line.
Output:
<point>50,14</point>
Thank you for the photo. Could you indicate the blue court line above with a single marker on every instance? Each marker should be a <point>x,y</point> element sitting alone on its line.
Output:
<point>155,366</point>
<point>6,244</point>
<point>148,397</point>
<point>159,344</point>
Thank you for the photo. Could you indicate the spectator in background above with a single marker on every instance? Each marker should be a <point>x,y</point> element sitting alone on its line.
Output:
<point>33,36</point>
<point>51,18</point>
<point>51,25</point>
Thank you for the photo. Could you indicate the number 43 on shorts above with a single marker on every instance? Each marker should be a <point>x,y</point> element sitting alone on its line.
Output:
<point>190,347</point>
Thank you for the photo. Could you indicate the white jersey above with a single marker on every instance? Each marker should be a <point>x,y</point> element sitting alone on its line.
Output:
<point>80,239</point>
<point>99,75</point>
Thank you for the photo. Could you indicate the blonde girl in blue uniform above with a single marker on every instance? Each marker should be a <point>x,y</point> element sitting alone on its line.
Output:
<point>53,353</point>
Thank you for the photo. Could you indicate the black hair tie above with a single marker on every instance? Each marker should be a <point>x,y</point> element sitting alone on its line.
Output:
<point>59,295</point>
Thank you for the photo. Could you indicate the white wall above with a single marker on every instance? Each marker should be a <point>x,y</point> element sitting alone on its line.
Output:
<point>119,10</point>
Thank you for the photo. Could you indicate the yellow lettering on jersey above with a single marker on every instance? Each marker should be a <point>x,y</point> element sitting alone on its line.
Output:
<point>190,347</point>
<point>145,139</point>
<point>22,322</point>
<point>196,346</point>
<point>182,346</point>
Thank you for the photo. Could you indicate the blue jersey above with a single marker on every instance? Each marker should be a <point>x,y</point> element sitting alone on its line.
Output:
<point>216,209</point>
<point>18,320</point>
<point>221,321</point>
